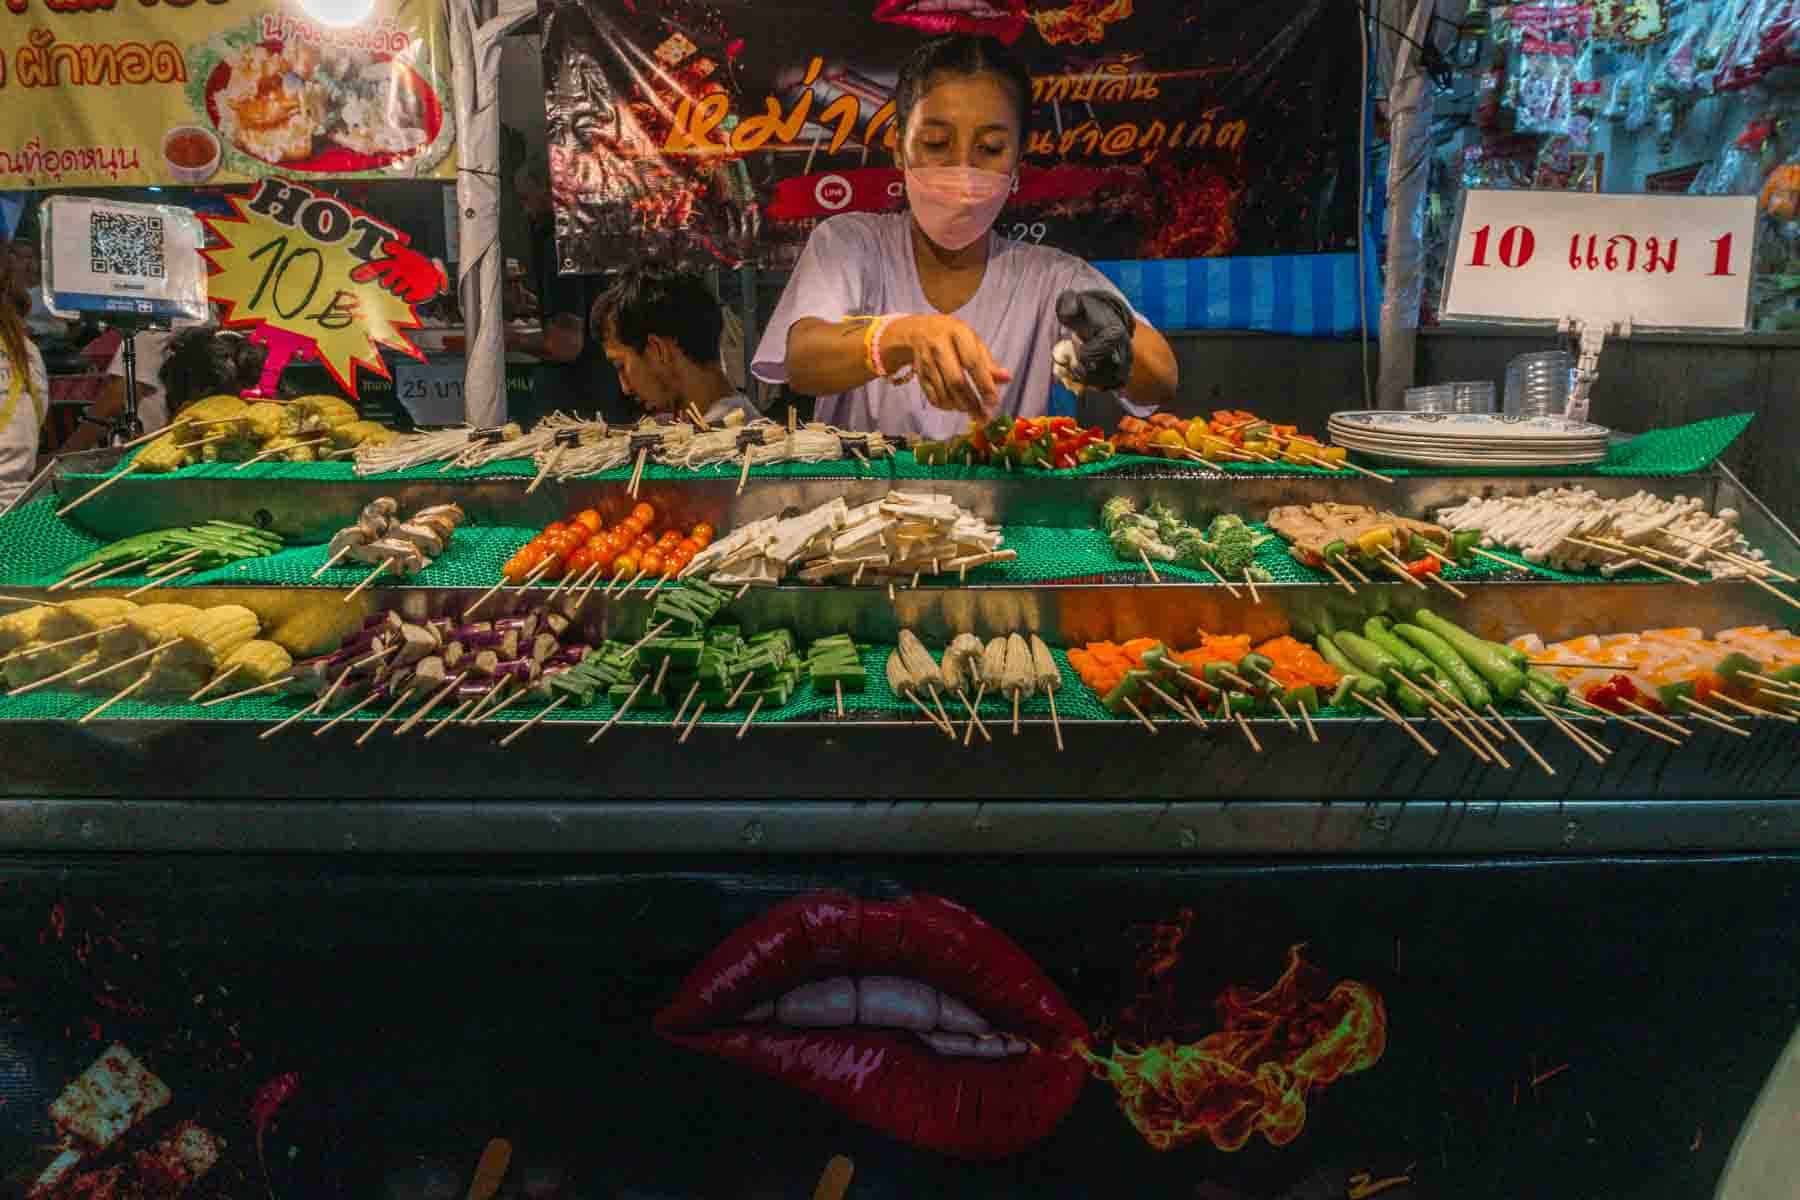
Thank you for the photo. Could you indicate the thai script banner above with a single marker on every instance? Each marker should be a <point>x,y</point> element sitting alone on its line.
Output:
<point>723,132</point>
<point>118,93</point>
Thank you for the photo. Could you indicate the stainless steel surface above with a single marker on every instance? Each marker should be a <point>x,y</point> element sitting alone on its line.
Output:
<point>1184,830</point>
<point>312,511</point>
<point>1762,527</point>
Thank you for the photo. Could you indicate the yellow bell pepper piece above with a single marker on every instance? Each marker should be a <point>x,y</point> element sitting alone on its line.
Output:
<point>1379,538</point>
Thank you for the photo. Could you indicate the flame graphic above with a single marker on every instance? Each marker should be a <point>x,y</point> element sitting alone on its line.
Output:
<point>1201,220</point>
<point>1253,1075</point>
<point>1081,22</point>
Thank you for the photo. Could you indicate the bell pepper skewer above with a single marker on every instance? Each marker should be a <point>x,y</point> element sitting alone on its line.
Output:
<point>1753,710</point>
<point>391,709</point>
<point>367,700</point>
<point>1337,575</point>
<point>127,690</point>
<point>1393,563</point>
<point>1172,702</point>
<point>514,736</point>
<point>1138,713</point>
<point>1717,718</point>
<point>1312,735</point>
<point>625,706</point>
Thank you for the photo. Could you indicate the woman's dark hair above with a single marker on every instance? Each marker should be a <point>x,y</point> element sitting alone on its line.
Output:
<point>671,302</point>
<point>207,362</point>
<point>960,54</point>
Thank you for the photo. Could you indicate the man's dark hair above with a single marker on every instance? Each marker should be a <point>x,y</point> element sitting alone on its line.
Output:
<point>208,362</point>
<point>671,302</point>
<point>960,54</point>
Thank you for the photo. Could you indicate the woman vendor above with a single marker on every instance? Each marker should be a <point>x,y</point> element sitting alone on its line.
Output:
<point>914,322</point>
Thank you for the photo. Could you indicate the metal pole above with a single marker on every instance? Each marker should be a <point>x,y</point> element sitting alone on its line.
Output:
<point>1410,107</point>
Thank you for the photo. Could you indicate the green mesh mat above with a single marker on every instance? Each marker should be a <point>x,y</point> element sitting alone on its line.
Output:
<point>1661,452</point>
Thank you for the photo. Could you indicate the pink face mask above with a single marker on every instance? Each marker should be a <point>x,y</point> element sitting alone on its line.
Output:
<point>956,205</point>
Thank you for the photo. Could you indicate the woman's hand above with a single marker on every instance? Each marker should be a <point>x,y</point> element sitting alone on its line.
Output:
<point>956,371</point>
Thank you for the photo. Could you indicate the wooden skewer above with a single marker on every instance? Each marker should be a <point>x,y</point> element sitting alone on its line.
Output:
<point>1015,720</point>
<point>537,573</point>
<point>837,687</point>
<point>1576,662</point>
<point>1349,564</point>
<point>1442,558</point>
<point>32,651</point>
<point>659,587</point>
<point>437,698</point>
<point>1249,734</point>
<point>1449,720</point>
<point>1744,561</point>
<point>1630,556</point>
<point>1778,697</point>
<point>1772,590</point>
<point>486,698</point>
<point>1779,684</point>
<point>1394,717</point>
<point>391,709</point>
<point>1172,702</point>
<point>216,680</point>
<point>258,690</point>
<point>625,707</point>
<point>1285,715</point>
<point>501,707</point>
<point>1229,586</point>
<point>270,732</point>
<point>1651,730</point>
<point>648,637</point>
<point>1145,559</point>
<point>127,690</point>
<point>1754,711</point>
<point>1655,718</point>
<point>974,720</point>
<point>1337,575</point>
<point>550,461</point>
<point>1138,713</point>
<point>371,578</point>
<point>1392,562</point>
<point>516,734</point>
<point>126,662</point>
<point>1234,677</point>
<point>484,598</point>
<point>745,591</point>
<point>71,579</point>
<point>256,458</point>
<point>1438,579</point>
<point>685,701</point>
<point>692,721</point>
<point>1312,735</point>
<point>165,568</point>
<point>47,680</point>
<point>1718,719</point>
<point>1520,738</point>
<point>367,700</point>
<point>1505,562</point>
<point>107,574</point>
<point>156,583</point>
<point>754,709</point>
<point>1594,749</point>
<point>943,717</point>
<point>1251,584</point>
<point>72,505</point>
<point>743,478</point>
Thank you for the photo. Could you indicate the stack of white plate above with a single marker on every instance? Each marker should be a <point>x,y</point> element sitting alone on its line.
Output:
<point>1470,439</point>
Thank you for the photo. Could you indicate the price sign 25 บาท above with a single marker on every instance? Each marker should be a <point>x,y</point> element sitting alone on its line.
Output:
<point>1671,262</point>
<point>320,274</point>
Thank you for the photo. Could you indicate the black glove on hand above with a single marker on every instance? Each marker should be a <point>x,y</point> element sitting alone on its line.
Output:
<point>1103,325</point>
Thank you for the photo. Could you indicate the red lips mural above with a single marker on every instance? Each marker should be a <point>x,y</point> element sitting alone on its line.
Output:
<point>1003,19</point>
<point>914,1016</point>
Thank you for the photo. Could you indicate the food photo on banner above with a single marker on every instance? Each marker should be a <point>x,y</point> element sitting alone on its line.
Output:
<point>724,132</point>
<point>97,95</point>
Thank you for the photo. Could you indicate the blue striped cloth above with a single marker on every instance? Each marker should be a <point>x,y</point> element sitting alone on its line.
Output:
<point>1306,295</point>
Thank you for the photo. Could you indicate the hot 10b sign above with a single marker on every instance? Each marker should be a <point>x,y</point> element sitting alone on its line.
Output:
<point>1674,262</point>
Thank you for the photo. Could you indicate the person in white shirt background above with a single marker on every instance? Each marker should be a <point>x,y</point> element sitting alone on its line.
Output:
<point>660,328</point>
<point>24,387</point>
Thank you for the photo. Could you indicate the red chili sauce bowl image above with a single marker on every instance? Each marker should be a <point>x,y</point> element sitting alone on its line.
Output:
<point>913,1016</point>
<point>1003,19</point>
<point>330,111</point>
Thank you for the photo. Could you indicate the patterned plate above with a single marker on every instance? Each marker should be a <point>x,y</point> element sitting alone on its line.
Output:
<point>1481,426</point>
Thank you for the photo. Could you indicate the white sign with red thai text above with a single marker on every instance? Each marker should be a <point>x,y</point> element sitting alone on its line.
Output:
<point>1670,262</point>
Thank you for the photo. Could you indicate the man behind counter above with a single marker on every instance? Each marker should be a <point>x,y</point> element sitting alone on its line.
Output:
<point>660,329</point>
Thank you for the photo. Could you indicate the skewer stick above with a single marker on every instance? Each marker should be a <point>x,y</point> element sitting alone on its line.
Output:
<point>745,591</point>
<point>1015,720</point>
<point>1172,702</point>
<point>1592,747</point>
<point>1138,713</point>
<point>1234,677</point>
<point>568,580</point>
<point>258,690</point>
<point>1249,734</point>
<point>1204,461</point>
<point>975,716</point>
<point>1349,564</point>
<point>1772,590</point>
<point>215,681</point>
<point>1229,586</point>
<point>256,458</point>
<point>129,467</point>
<point>1449,721</point>
<point>980,691</point>
<point>1389,714</point>
<point>913,695</point>
<point>126,662</point>
<point>1285,715</point>
<point>625,707</point>
<point>1495,558</point>
<point>367,700</point>
<point>332,691</point>
<point>516,734</point>
<point>1718,719</point>
<point>1145,559</point>
<point>1518,737</point>
<point>1442,558</point>
<point>31,651</point>
<point>156,583</point>
<point>377,573</point>
<point>501,707</point>
<point>270,732</point>
<point>1779,684</point>
<point>938,702</point>
<point>391,709</point>
<point>127,690</point>
<point>1750,564</point>
<point>437,698</point>
<point>687,700</point>
<point>648,637</point>
<point>1655,718</point>
<point>71,579</point>
<point>743,478</point>
<point>1435,577</point>
<point>165,568</point>
<point>662,673</point>
<point>633,582</point>
<point>1625,556</point>
<point>1754,711</point>
<point>1651,730</point>
<point>550,461</point>
<point>1337,575</point>
<point>1251,584</point>
<point>659,587</point>
<point>536,573</point>
<point>1359,470</point>
<point>1312,735</point>
<point>1392,562</point>
<point>483,700</point>
<point>1455,700</point>
<point>484,598</point>
<point>754,709</point>
<point>109,573</point>
<point>742,684</point>
<point>692,721</point>
<point>47,680</point>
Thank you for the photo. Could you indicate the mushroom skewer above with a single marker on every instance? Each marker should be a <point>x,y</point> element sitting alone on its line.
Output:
<point>962,654</point>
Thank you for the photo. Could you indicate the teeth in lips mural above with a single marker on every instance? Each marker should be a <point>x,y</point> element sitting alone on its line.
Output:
<point>914,1016</point>
<point>1003,19</point>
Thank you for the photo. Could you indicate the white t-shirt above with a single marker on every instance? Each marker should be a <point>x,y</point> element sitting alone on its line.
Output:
<point>152,349</point>
<point>21,418</point>
<point>860,264</point>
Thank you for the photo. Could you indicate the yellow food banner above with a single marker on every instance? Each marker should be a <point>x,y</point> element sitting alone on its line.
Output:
<point>312,275</point>
<point>119,93</point>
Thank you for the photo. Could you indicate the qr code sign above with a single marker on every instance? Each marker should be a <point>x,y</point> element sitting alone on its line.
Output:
<point>124,244</point>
